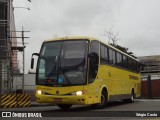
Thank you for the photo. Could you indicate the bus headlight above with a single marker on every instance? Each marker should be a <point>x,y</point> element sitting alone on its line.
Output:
<point>79,92</point>
<point>39,92</point>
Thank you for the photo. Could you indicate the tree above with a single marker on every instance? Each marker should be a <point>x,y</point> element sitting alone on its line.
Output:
<point>114,38</point>
<point>111,36</point>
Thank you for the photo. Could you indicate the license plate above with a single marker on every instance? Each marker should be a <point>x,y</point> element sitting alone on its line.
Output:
<point>57,100</point>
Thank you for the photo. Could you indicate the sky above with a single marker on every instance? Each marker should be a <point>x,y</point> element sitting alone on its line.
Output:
<point>135,21</point>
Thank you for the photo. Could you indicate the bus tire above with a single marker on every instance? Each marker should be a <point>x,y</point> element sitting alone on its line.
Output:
<point>104,99</point>
<point>131,99</point>
<point>64,106</point>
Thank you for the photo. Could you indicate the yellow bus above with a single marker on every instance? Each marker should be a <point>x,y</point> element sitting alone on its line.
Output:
<point>84,71</point>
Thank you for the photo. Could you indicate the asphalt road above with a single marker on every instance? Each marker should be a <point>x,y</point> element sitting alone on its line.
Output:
<point>140,109</point>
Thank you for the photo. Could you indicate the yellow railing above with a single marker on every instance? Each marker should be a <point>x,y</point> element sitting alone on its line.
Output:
<point>15,100</point>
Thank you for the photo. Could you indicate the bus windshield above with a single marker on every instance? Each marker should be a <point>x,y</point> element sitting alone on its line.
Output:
<point>63,63</point>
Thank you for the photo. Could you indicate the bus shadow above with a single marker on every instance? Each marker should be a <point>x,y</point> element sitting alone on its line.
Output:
<point>77,108</point>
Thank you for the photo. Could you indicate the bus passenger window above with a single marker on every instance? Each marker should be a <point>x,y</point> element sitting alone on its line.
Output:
<point>130,62</point>
<point>138,67</point>
<point>134,65</point>
<point>104,54</point>
<point>102,59</point>
<point>119,59</point>
<point>125,61</point>
<point>112,56</point>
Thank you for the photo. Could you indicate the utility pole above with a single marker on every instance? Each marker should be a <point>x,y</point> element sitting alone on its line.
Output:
<point>23,57</point>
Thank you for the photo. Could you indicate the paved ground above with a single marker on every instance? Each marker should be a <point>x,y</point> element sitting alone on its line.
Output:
<point>114,110</point>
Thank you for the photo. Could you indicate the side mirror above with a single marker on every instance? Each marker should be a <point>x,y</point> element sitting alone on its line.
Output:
<point>32,60</point>
<point>91,55</point>
<point>36,54</point>
<point>94,57</point>
<point>32,63</point>
<point>93,61</point>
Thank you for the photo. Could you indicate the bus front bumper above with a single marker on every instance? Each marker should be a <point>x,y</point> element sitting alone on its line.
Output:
<point>61,99</point>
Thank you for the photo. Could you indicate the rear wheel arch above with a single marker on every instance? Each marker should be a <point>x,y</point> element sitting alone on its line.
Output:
<point>133,90</point>
<point>132,96</point>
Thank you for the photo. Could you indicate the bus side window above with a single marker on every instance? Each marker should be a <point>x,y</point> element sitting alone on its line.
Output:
<point>103,54</point>
<point>125,61</point>
<point>134,66</point>
<point>130,64</point>
<point>119,59</point>
<point>138,67</point>
<point>112,56</point>
<point>93,60</point>
<point>106,57</point>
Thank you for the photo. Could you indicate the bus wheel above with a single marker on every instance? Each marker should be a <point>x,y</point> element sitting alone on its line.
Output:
<point>104,99</point>
<point>131,99</point>
<point>64,106</point>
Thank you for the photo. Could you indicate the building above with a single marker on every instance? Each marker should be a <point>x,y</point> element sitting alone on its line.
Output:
<point>150,67</point>
<point>8,41</point>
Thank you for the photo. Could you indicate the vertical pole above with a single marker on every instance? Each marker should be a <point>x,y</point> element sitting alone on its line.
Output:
<point>8,46</point>
<point>149,87</point>
<point>23,60</point>
<point>0,81</point>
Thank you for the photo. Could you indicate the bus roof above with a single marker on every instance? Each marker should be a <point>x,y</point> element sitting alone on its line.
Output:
<point>89,38</point>
<point>71,38</point>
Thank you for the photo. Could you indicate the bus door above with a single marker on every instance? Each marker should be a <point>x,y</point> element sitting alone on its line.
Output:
<point>93,82</point>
